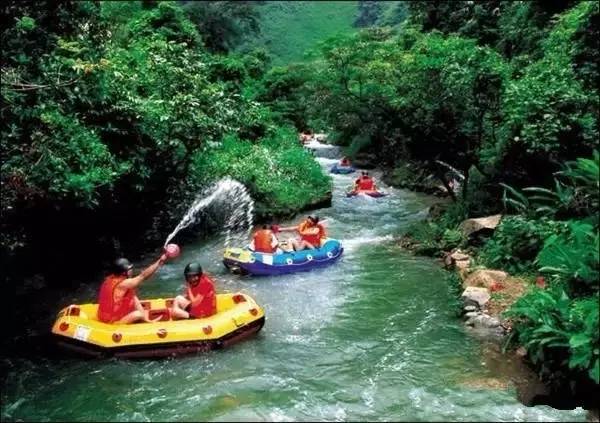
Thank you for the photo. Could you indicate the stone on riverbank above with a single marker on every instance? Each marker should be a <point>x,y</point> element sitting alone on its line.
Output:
<point>476,296</point>
<point>472,226</point>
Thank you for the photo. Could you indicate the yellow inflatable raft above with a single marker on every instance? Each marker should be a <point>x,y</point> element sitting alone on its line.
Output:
<point>238,317</point>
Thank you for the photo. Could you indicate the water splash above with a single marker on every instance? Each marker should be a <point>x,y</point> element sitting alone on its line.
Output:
<point>232,199</point>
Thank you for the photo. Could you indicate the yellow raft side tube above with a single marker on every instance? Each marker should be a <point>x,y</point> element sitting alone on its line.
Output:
<point>238,316</point>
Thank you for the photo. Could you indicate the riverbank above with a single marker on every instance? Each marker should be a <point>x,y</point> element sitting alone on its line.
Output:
<point>486,297</point>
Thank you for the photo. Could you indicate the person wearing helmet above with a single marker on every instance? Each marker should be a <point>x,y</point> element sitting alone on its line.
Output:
<point>117,300</point>
<point>200,299</point>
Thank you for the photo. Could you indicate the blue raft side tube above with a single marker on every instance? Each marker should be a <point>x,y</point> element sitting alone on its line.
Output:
<point>342,169</point>
<point>297,261</point>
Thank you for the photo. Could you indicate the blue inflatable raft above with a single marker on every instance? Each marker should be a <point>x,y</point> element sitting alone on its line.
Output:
<point>344,170</point>
<point>246,261</point>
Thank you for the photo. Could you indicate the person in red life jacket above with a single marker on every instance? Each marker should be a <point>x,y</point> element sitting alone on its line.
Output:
<point>265,241</point>
<point>200,299</point>
<point>357,181</point>
<point>345,162</point>
<point>366,183</point>
<point>312,233</point>
<point>118,301</point>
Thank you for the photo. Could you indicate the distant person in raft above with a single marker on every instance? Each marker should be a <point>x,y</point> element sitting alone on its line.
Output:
<point>118,301</point>
<point>265,241</point>
<point>312,233</point>
<point>345,162</point>
<point>200,299</point>
<point>365,183</point>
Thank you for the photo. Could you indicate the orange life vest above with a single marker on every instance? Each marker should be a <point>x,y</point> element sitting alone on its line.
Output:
<point>111,309</point>
<point>262,241</point>
<point>366,184</point>
<point>312,234</point>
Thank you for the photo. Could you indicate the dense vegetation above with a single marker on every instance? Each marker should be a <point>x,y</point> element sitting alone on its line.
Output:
<point>500,98</point>
<point>115,114</point>
<point>111,112</point>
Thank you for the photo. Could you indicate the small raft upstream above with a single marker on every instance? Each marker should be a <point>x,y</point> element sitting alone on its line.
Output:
<point>342,170</point>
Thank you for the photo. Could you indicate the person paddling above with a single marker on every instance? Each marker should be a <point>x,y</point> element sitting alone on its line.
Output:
<point>118,301</point>
<point>345,162</point>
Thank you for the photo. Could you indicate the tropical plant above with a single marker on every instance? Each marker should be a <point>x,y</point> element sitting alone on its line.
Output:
<point>573,257</point>
<point>553,328</point>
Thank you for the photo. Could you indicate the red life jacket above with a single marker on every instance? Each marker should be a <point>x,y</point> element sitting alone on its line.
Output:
<point>208,305</point>
<point>366,184</point>
<point>110,308</point>
<point>262,241</point>
<point>345,162</point>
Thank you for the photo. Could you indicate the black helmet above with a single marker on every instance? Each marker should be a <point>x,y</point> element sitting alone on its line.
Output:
<point>192,269</point>
<point>122,266</point>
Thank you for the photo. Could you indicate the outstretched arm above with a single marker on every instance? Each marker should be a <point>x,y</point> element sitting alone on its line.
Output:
<point>288,229</point>
<point>130,283</point>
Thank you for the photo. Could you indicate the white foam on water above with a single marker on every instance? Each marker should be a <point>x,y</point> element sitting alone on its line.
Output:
<point>351,244</point>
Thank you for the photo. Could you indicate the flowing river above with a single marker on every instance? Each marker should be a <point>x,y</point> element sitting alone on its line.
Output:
<point>372,337</point>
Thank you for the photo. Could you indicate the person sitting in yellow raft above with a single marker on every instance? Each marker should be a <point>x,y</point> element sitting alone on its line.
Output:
<point>312,233</point>
<point>118,301</point>
<point>200,299</point>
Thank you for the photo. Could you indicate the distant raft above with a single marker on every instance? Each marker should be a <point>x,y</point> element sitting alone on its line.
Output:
<point>249,262</point>
<point>344,170</point>
<point>370,193</point>
<point>77,329</point>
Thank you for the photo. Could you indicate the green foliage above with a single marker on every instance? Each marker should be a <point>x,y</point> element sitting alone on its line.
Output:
<point>451,238</point>
<point>108,106</point>
<point>516,243</point>
<point>223,24</point>
<point>281,175</point>
<point>576,195</point>
<point>556,329</point>
<point>442,234</point>
<point>305,23</point>
<point>572,257</point>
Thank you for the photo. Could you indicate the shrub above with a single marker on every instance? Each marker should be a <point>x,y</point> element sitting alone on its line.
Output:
<point>572,257</point>
<point>517,242</point>
<point>554,328</point>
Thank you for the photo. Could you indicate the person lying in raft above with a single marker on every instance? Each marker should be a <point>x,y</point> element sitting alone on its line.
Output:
<point>265,241</point>
<point>118,301</point>
<point>312,233</point>
<point>200,299</point>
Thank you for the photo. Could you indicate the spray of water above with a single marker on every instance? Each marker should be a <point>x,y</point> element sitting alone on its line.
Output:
<point>232,199</point>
